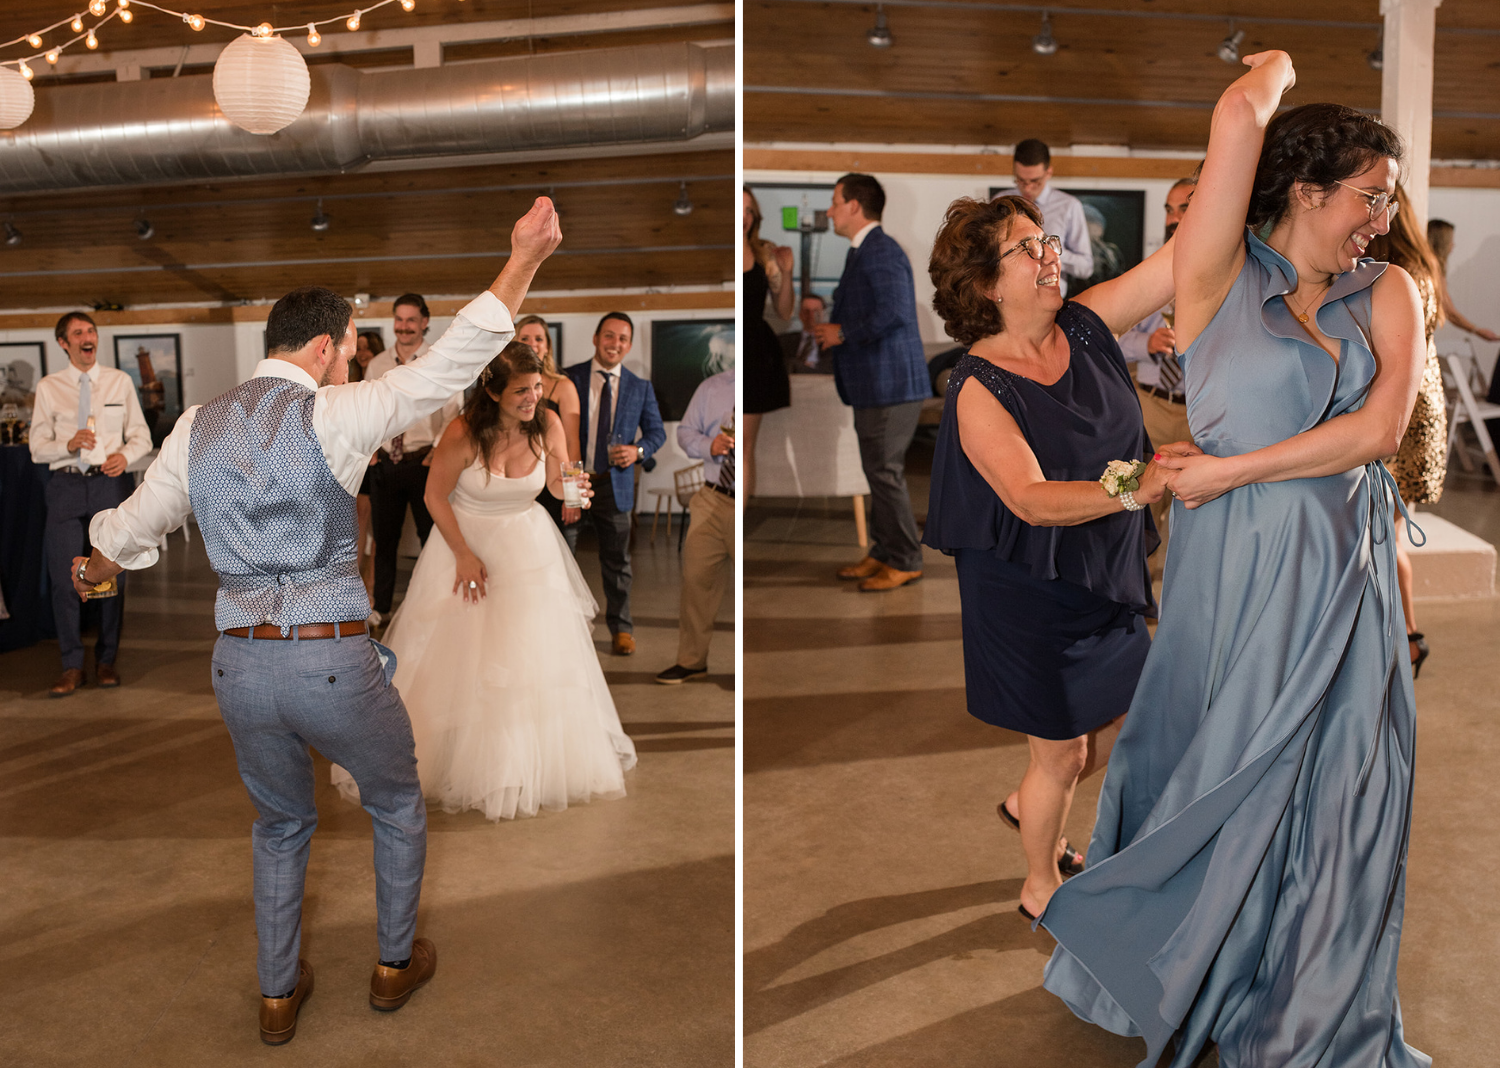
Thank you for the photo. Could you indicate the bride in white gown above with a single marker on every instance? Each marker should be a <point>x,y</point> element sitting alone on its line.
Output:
<point>494,650</point>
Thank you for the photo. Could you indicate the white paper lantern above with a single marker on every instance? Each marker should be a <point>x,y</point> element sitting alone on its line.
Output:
<point>261,83</point>
<point>16,98</point>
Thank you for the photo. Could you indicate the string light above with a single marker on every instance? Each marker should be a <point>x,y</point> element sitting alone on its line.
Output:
<point>353,22</point>
<point>77,24</point>
<point>34,41</point>
<point>91,41</point>
<point>96,7</point>
<point>263,30</point>
<point>314,38</point>
<point>52,57</point>
<point>125,16</point>
<point>408,5</point>
<point>195,21</point>
<point>26,71</point>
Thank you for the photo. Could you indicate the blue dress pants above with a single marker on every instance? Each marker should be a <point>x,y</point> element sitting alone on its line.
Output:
<point>73,500</point>
<point>277,699</point>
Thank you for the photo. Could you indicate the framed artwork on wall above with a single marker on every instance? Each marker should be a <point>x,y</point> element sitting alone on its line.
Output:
<point>22,365</point>
<point>796,215</point>
<point>683,353</point>
<point>154,364</point>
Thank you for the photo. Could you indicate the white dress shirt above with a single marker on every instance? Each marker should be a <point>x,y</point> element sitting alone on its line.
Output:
<point>596,386</point>
<point>864,232</point>
<point>427,430</point>
<point>54,421</point>
<point>1133,343</point>
<point>350,421</point>
<point>1062,214</point>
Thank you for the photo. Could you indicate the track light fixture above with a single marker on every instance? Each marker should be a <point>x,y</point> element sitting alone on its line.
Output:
<point>1044,44</point>
<point>320,222</point>
<point>1229,47</point>
<point>682,206</point>
<point>144,230</point>
<point>879,34</point>
<point>12,235</point>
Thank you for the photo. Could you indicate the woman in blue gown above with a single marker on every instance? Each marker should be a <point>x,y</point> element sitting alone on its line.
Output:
<point>1246,875</point>
<point>1051,568</point>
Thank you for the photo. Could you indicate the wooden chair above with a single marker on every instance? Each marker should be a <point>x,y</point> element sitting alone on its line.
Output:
<point>685,483</point>
<point>1464,376</point>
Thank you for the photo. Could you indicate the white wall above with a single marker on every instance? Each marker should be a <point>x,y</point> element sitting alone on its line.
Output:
<point>209,353</point>
<point>915,204</point>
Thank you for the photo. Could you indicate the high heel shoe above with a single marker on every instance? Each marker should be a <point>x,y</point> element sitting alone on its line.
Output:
<point>1420,641</point>
<point>1069,864</point>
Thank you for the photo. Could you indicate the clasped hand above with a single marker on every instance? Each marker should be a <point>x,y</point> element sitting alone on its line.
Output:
<point>1157,479</point>
<point>1196,478</point>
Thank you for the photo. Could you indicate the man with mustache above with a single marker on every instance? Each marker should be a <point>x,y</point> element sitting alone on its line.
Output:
<point>87,427</point>
<point>1150,346</point>
<point>400,476</point>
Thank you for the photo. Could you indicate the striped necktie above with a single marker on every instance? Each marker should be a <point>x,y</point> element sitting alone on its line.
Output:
<point>1171,371</point>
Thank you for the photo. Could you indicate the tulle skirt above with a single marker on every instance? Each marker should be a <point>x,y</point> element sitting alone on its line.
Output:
<point>508,704</point>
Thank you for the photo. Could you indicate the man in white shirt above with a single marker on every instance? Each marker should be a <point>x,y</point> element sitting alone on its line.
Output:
<point>87,427</point>
<point>1062,214</point>
<point>399,480</point>
<point>271,468</point>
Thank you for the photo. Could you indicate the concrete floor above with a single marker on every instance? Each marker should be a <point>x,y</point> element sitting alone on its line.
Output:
<point>603,935</point>
<point>880,888</point>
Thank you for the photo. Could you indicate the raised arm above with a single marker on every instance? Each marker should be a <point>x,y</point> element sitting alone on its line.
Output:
<point>1211,239</point>
<point>1343,442</point>
<point>1124,301</point>
<point>453,454</point>
<point>996,447</point>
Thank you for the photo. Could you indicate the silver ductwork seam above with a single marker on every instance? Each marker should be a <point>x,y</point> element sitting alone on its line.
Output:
<point>170,129</point>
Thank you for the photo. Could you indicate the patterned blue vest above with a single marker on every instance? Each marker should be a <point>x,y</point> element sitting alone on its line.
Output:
<point>279,529</point>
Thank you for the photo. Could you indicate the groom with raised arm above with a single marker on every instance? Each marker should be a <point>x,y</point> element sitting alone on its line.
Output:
<point>270,469</point>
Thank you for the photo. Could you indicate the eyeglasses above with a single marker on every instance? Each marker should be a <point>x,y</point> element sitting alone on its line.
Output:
<point>1379,203</point>
<point>1037,249</point>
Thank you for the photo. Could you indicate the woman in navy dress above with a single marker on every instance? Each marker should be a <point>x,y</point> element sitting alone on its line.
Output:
<point>1246,877</point>
<point>1051,566</point>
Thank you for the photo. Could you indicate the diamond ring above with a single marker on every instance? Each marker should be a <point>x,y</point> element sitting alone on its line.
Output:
<point>473,585</point>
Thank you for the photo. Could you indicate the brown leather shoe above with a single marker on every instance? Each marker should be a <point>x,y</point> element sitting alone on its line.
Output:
<point>866,568</point>
<point>624,644</point>
<point>70,681</point>
<point>278,1016</point>
<point>888,579</point>
<point>391,987</point>
<point>107,675</point>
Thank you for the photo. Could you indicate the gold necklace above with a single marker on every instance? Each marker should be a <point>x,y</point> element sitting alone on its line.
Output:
<point>1306,314</point>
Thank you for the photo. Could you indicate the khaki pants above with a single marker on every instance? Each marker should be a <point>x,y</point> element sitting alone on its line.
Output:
<point>1166,422</point>
<point>707,567</point>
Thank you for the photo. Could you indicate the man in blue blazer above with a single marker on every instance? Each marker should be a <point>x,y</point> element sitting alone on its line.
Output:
<point>881,373</point>
<point>619,426</point>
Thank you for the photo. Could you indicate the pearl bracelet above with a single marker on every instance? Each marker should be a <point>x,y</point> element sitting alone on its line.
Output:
<point>1128,500</point>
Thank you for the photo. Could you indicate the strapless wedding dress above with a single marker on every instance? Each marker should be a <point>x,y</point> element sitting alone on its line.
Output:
<point>508,704</point>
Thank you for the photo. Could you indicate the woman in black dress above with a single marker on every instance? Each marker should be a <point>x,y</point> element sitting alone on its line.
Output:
<point>1051,564</point>
<point>559,394</point>
<point>768,270</point>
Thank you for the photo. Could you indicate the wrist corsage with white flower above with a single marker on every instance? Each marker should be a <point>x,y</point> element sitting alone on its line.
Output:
<point>1121,479</point>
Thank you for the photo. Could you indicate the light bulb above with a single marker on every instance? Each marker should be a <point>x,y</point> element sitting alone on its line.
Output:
<point>314,38</point>
<point>76,24</point>
<point>353,22</point>
<point>123,3</point>
<point>26,71</point>
<point>52,57</point>
<point>34,41</point>
<point>263,30</point>
<point>407,5</point>
<point>195,21</point>
<point>92,41</point>
<point>126,15</point>
<point>96,7</point>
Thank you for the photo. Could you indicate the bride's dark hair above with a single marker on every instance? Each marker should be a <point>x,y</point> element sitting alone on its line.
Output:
<point>482,412</point>
<point>1318,144</point>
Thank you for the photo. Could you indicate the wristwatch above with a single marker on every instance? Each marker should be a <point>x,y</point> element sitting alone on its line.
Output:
<point>81,569</point>
<point>640,452</point>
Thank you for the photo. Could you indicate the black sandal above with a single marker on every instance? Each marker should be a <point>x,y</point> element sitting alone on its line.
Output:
<point>1070,863</point>
<point>1420,640</point>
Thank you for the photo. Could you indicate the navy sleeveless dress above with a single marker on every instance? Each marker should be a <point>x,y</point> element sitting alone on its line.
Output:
<point>1053,629</point>
<point>1246,878</point>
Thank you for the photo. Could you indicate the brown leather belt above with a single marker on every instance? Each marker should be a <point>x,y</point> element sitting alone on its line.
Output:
<point>1156,391</point>
<point>720,489</point>
<point>304,632</point>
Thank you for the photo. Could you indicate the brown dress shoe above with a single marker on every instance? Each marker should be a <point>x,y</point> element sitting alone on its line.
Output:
<point>278,1016</point>
<point>391,987</point>
<point>624,644</point>
<point>70,681</point>
<point>866,568</point>
<point>888,579</point>
<point>107,675</point>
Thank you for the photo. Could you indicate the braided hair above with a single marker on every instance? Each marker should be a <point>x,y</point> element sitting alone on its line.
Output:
<point>1316,144</point>
<point>482,412</point>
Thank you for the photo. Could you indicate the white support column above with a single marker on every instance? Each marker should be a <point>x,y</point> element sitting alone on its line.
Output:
<point>1406,88</point>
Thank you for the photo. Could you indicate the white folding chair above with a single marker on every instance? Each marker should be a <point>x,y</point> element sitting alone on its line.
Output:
<point>1463,375</point>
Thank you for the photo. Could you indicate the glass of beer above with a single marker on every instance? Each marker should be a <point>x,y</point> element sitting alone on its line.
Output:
<point>572,471</point>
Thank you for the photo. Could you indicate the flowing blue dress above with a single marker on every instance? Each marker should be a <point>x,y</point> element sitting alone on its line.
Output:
<point>1246,876</point>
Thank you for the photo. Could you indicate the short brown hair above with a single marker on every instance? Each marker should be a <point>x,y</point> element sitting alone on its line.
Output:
<point>61,330</point>
<point>866,191</point>
<point>966,262</point>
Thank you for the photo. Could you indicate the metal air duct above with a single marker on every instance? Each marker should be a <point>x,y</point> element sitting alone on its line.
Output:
<point>170,130</point>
